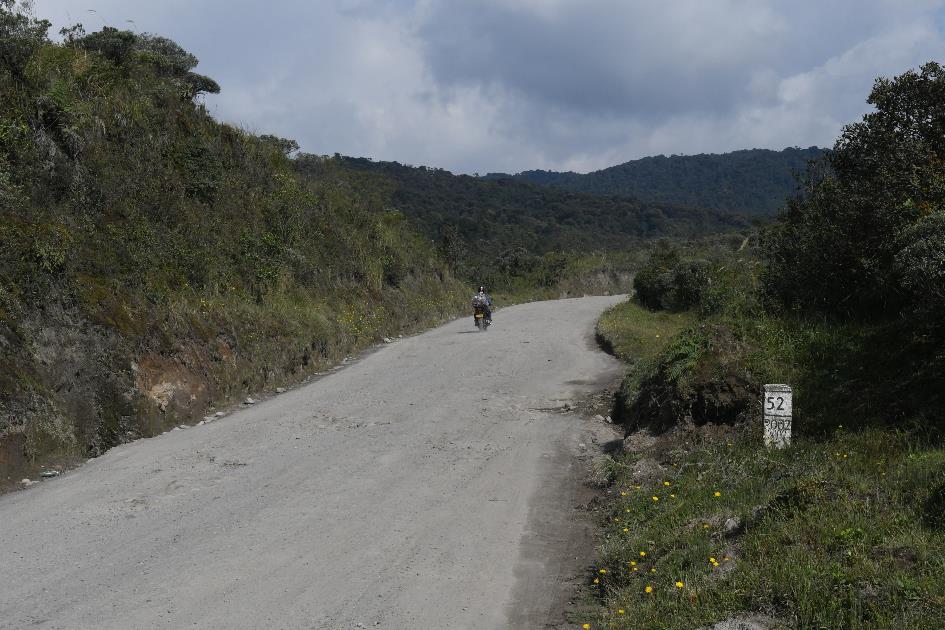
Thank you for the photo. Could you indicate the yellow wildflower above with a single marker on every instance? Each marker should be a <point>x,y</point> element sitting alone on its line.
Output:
<point>642,554</point>
<point>633,563</point>
<point>679,585</point>
<point>603,571</point>
<point>620,611</point>
<point>717,494</point>
<point>648,589</point>
<point>586,626</point>
<point>711,559</point>
<point>666,483</point>
<point>656,498</point>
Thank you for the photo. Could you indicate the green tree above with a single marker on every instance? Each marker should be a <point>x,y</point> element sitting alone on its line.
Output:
<point>20,36</point>
<point>835,251</point>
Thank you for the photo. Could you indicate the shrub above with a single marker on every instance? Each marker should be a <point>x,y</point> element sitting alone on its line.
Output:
<point>920,265</point>
<point>666,282</point>
<point>703,374</point>
<point>20,36</point>
<point>839,250</point>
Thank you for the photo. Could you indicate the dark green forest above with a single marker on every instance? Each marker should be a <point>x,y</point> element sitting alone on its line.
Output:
<point>495,215</point>
<point>754,182</point>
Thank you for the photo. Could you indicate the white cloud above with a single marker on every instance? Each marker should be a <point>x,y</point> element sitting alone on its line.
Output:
<point>516,84</point>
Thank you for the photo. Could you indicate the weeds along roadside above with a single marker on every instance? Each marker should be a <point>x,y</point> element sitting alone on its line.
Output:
<point>843,529</point>
<point>832,533</point>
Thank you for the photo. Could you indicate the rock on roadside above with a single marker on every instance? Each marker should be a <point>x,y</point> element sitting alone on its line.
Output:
<point>750,622</point>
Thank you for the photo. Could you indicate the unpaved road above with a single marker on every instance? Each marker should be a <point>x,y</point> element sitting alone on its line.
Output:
<point>424,486</point>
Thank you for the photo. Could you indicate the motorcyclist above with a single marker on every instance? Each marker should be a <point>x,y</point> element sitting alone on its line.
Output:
<point>483,301</point>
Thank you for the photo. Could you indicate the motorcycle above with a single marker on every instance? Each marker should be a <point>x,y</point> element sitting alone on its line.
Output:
<point>482,322</point>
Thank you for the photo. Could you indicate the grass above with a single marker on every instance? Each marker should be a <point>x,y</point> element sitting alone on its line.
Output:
<point>633,333</point>
<point>833,533</point>
<point>844,529</point>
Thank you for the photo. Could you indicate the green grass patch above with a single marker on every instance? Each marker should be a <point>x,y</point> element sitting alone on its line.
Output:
<point>844,532</point>
<point>634,333</point>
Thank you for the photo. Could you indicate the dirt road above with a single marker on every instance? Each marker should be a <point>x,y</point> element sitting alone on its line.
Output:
<point>426,485</point>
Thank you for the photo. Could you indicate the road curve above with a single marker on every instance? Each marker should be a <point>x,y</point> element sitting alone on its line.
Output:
<point>425,485</point>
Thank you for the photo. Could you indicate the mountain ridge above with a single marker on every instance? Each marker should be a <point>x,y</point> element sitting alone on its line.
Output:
<point>752,182</point>
<point>496,214</point>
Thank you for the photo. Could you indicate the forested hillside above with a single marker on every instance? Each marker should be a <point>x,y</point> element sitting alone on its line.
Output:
<point>493,215</point>
<point>753,182</point>
<point>154,262</point>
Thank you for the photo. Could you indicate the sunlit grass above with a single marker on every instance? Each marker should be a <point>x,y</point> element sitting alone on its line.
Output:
<point>827,534</point>
<point>634,333</point>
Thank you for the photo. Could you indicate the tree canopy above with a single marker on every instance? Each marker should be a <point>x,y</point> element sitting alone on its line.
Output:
<point>754,182</point>
<point>861,239</point>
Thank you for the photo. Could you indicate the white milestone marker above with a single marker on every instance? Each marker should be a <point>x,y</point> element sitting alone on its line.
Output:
<point>777,415</point>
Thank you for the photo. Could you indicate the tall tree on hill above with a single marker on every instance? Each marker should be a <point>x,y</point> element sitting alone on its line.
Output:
<point>843,249</point>
<point>20,36</point>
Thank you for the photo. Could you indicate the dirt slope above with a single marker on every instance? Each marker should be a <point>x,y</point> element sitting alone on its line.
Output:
<point>422,486</point>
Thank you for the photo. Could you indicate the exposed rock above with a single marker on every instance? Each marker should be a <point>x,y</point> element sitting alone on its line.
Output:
<point>648,470</point>
<point>249,401</point>
<point>280,390</point>
<point>173,388</point>
<point>732,527</point>
<point>639,441</point>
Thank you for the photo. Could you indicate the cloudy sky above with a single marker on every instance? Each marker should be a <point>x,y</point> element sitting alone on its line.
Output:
<point>509,85</point>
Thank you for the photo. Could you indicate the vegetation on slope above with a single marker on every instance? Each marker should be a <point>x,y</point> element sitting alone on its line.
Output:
<point>752,182</point>
<point>845,527</point>
<point>154,262</point>
<point>491,217</point>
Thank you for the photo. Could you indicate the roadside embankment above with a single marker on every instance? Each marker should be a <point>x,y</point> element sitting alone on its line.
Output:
<point>845,528</point>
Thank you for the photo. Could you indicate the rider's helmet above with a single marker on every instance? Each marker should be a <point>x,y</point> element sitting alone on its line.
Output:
<point>482,289</point>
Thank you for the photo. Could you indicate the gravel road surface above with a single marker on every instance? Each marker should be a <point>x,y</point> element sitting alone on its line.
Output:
<point>430,484</point>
